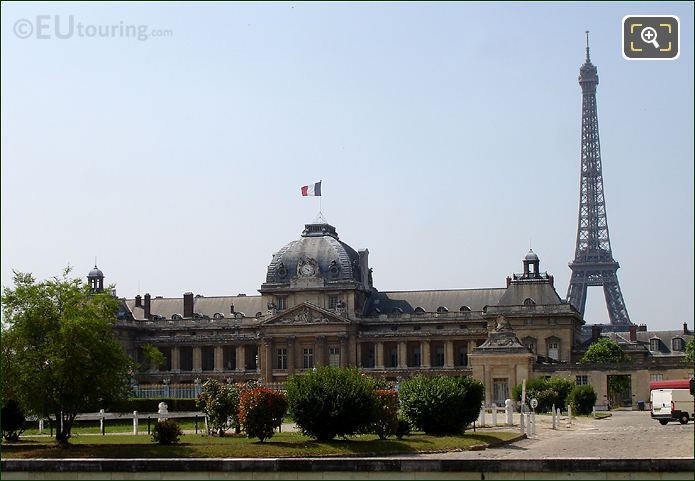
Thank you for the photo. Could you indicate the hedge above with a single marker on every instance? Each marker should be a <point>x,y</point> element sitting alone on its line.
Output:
<point>329,402</point>
<point>441,405</point>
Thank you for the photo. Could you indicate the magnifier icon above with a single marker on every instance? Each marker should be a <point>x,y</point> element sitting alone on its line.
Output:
<point>648,35</point>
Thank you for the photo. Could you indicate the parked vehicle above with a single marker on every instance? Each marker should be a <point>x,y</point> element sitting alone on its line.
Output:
<point>671,401</point>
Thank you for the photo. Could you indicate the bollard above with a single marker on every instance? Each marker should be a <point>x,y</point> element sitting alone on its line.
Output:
<point>148,425</point>
<point>522,425</point>
<point>532,423</point>
<point>40,426</point>
<point>494,414</point>
<point>135,422</point>
<point>207,428</point>
<point>481,416</point>
<point>510,412</point>
<point>50,423</point>
<point>102,425</point>
<point>196,424</point>
<point>558,417</point>
<point>569,414</point>
<point>554,420</point>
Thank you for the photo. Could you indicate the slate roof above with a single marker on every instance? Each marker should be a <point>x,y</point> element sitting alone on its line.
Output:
<point>319,242</point>
<point>643,341</point>
<point>206,306</point>
<point>453,300</point>
<point>540,291</point>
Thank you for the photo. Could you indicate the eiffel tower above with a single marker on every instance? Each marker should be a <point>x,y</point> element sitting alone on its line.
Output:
<point>593,263</point>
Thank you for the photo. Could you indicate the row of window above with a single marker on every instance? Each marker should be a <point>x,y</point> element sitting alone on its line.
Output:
<point>307,357</point>
<point>676,344</point>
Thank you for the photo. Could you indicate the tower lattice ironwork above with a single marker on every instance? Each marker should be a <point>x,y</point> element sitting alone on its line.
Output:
<point>593,263</point>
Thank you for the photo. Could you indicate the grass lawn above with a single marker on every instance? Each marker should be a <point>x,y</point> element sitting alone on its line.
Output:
<point>280,445</point>
<point>114,426</point>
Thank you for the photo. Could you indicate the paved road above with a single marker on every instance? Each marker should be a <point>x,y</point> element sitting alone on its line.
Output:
<point>627,434</point>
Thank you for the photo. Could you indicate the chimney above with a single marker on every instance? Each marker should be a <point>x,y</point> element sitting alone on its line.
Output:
<point>633,333</point>
<point>551,279</point>
<point>138,301</point>
<point>231,308</point>
<point>364,267</point>
<point>595,332</point>
<point>188,305</point>
<point>509,281</point>
<point>685,328</point>
<point>147,306</point>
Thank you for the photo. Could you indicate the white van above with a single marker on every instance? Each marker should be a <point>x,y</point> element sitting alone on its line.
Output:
<point>671,401</point>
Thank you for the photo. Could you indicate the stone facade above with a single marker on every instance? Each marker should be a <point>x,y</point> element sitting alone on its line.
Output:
<point>319,306</point>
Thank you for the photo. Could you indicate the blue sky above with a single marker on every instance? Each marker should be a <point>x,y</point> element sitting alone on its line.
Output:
<point>446,136</point>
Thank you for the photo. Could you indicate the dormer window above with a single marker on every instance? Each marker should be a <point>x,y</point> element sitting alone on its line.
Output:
<point>676,344</point>
<point>529,302</point>
<point>442,310</point>
<point>419,311</point>
<point>281,302</point>
<point>333,301</point>
<point>465,309</point>
<point>654,344</point>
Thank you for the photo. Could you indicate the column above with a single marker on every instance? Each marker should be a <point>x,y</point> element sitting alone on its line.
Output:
<point>175,360</point>
<point>241,358</point>
<point>449,354</point>
<point>488,385</point>
<point>266,355</point>
<point>379,355</point>
<point>402,355</point>
<point>197,359</point>
<point>320,351</point>
<point>343,351</point>
<point>291,361</point>
<point>471,346</point>
<point>259,358</point>
<point>358,350</point>
<point>426,357</point>
<point>219,360</point>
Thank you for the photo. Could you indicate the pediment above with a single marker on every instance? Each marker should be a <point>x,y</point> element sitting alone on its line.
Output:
<point>306,314</point>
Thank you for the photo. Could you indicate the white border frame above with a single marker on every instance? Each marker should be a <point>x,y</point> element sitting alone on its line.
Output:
<point>622,37</point>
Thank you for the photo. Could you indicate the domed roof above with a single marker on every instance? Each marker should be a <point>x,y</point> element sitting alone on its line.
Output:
<point>317,254</point>
<point>531,256</point>
<point>96,272</point>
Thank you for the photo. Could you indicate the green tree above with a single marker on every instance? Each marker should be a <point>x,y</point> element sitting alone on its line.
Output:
<point>604,351</point>
<point>690,352</point>
<point>220,402</point>
<point>64,357</point>
<point>155,358</point>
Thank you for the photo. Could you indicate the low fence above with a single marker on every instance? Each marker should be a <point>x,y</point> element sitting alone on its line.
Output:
<point>181,391</point>
<point>45,426</point>
<point>176,391</point>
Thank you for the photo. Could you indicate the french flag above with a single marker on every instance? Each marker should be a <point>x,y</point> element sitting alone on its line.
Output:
<point>311,189</point>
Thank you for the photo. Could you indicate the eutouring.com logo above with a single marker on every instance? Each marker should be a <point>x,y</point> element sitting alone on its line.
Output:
<point>65,27</point>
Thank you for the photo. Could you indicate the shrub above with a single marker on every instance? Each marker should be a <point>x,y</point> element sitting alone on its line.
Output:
<point>563,386</point>
<point>330,402</point>
<point>220,402</point>
<point>582,399</point>
<point>441,405</point>
<point>261,411</point>
<point>166,432</point>
<point>385,413</point>
<point>547,391</point>
<point>403,428</point>
<point>12,422</point>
